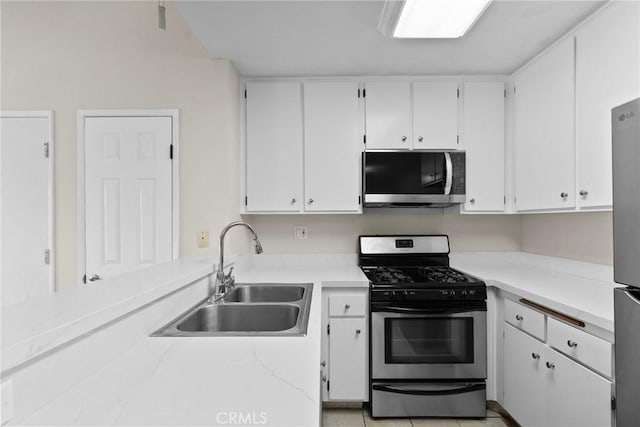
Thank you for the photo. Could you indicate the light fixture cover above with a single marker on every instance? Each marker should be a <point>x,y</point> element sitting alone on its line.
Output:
<point>438,18</point>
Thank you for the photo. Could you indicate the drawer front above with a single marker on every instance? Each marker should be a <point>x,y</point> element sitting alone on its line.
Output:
<point>525,318</point>
<point>594,352</point>
<point>347,305</point>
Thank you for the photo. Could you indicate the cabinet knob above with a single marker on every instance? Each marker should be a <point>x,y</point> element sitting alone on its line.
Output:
<point>323,363</point>
<point>310,201</point>
<point>572,344</point>
<point>358,331</point>
<point>404,138</point>
<point>535,356</point>
<point>550,365</point>
<point>564,195</point>
<point>347,306</point>
<point>472,201</point>
<point>293,201</point>
<point>584,193</point>
<point>519,318</point>
<point>420,139</point>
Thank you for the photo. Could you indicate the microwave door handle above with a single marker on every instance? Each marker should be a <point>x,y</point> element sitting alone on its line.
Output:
<point>448,170</point>
<point>466,389</point>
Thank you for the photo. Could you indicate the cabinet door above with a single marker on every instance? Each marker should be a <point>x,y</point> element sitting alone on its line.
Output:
<point>483,134</point>
<point>524,394</point>
<point>607,70</point>
<point>274,147</point>
<point>435,115</point>
<point>333,145</point>
<point>388,115</point>
<point>544,134</point>
<point>575,396</point>
<point>348,354</point>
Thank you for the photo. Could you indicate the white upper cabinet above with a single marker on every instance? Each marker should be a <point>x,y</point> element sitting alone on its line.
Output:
<point>435,115</point>
<point>544,131</point>
<point>483,136</point>
<point>388,115</point>
<point>332,147</point>
<point>274,147</point>
<point>607,75</point>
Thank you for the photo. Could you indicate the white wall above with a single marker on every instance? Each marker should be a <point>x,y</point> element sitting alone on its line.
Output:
<point>583,236</point>
<point>66,56</point>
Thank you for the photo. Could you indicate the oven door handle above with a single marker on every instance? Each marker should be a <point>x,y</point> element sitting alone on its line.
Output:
<point>408,310</point>
<point>466,389</point>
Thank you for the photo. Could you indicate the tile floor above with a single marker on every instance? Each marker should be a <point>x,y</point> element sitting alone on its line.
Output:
<point>339,417</point>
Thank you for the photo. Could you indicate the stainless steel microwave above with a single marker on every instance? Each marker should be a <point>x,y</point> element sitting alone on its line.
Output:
<point>413,178</point>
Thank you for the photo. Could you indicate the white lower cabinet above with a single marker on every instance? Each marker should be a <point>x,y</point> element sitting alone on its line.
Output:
<point>542,387</point>
<point>345,345</point>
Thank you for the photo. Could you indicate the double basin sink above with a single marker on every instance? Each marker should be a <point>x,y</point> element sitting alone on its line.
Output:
<point>256,309</point>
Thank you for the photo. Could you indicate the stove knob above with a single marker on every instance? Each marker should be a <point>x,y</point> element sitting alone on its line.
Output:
<point>393,295</point>
<point>463,294</point>
<point>405,293</point>
<point>452,294</point>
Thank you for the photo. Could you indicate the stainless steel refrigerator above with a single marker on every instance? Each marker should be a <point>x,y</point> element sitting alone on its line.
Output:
<point>625,121</point>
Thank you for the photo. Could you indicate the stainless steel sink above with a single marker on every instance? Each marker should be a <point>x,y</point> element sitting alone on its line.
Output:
<point>265,293</point>
<point>258,309</point>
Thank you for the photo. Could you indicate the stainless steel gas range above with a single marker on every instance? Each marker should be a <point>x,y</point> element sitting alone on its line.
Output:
<point>428,330</point>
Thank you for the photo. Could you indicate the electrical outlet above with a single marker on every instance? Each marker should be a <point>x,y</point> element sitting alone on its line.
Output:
<point>6,391</point>
<point>300,232</point>
<point>203,239</point>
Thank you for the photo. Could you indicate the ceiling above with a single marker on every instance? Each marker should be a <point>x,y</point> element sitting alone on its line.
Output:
<point>331,38</point>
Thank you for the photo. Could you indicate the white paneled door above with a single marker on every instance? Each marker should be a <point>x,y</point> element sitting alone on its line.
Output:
<point>128,193</point>
<point>27,204</point>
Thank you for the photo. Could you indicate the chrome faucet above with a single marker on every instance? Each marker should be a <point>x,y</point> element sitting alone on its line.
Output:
<point>224,282</point>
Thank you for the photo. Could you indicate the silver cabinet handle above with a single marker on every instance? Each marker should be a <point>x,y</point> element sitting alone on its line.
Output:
<point>94,277</point>
<point>535,356</point>
<point>572,344</point>
<point>358,331</point>
<point>472,201</point>
<point>564,195</point>
<point>420,139</point>
<point>347,306</point>
<point>310,201</point>
<point>584,193</point>
<point>550,365</point>
<point>404,138</point>
<point>293,201</point>
<point>323,363</point>
<point>519,318</point>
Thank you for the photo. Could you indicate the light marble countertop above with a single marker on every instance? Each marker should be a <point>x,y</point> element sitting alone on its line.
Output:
<point>578,289</point>
<point>275,381</point>
<point>33,327</point>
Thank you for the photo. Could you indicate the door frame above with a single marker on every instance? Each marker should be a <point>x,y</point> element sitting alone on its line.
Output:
<point>81,173</point>
<point>49,115</point>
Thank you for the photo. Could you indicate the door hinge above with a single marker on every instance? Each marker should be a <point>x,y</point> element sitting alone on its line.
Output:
<point>364,93</point>
<point>328,329</point>
<point>328,385</point>
<point>613,403</point>
<point>457,139</point>
<point>359,200</point>
<point>245,200</point>
<point>514,89</point>
<point>457,93</point>
<point>46,149</point>
<point>358,93</point>
<point>47,256</point>
<point>171,151</point>
<point>84,279</point>
<point>245,94</point>
<point>364,139</point>
<point>505,200</point>
<point>505,93</point>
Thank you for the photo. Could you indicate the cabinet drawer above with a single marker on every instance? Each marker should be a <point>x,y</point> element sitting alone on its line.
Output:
<point>525,318</point>
<point>347,305</point>
<point>582,346</point>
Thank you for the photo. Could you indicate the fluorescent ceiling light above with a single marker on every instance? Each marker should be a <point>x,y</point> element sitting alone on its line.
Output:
<point>438,18</point>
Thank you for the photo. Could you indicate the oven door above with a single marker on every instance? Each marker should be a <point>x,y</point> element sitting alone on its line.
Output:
<point>446,342</point>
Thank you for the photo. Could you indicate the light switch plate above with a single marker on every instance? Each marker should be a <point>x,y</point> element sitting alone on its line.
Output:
<point>203,239</point>
<point>7,401</point>
<point>300,232</point>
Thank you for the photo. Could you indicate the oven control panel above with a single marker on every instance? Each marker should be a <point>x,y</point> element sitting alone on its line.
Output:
<point>415,295</point>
